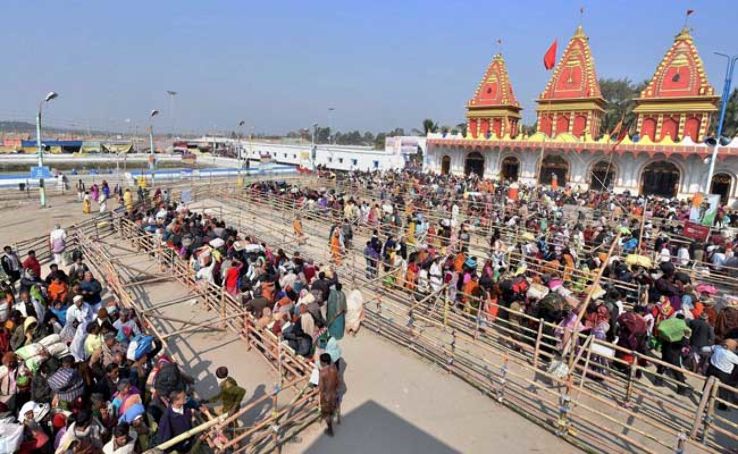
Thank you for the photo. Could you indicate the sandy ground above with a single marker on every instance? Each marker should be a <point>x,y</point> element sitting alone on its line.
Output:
<point>397,402</point>
<point>23,219</point>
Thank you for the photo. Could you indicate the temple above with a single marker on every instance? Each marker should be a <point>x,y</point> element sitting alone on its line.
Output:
<point>494,109</point>
<point>678,101</point>
<point>663,153</point>
<point>572,103</point>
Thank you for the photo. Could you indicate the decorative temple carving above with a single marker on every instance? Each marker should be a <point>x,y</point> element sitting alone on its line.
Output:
<point>572,103</point>
<point>494,111</point>
<point>678,101</point>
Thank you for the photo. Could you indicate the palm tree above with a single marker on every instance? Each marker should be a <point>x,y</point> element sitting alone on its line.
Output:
<point>730,128</point>
<point>461,127</point>
<point>429,126</point>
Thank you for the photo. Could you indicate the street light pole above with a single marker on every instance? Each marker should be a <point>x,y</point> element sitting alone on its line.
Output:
<point>721,121</point>
<point>172,94</point>
<point>41,189</point>
<point>332,137</point>
<point>152,158</point>
<point>240,147</point>
<point>313,151</point>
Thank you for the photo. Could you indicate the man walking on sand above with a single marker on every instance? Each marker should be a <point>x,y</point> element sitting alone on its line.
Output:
<point>58,244</point>
<point>328,383</point>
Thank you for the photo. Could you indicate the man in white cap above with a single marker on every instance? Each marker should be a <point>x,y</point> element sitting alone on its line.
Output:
<point>79,311</point>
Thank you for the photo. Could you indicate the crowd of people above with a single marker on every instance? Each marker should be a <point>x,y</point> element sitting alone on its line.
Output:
<point>79,373</point>
<point>298,300</point>
<point>530,253</point>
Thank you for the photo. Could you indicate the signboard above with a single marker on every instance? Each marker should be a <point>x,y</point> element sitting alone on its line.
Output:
<point>696,231</point>
<point>40,172</point>
<point>704,208</point>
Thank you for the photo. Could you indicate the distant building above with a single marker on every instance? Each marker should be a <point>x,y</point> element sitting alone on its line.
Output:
<point>396,155</point>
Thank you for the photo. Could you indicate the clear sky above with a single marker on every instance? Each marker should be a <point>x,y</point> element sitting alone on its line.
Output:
<point>279,65</point>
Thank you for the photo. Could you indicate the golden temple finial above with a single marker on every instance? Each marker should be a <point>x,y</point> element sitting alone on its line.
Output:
<point>580,32</point>
<point>685,33</point>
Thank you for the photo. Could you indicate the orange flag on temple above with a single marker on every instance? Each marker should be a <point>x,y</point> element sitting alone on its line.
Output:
<point>619,132</point>
<point>549,59</point>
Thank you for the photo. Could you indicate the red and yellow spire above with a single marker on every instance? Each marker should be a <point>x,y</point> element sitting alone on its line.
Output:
<point>678,100</point>
<point>572,102</point>
<point>494,108</point>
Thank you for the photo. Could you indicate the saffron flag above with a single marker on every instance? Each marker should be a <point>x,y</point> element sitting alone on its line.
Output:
<point>620,131</point>
<point>549,59</point>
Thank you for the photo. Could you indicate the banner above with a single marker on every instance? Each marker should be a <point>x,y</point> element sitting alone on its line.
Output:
<point>704,208</point>
<point>696,231</point>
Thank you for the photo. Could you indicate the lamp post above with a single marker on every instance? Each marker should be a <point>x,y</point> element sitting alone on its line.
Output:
<point>240,147</point>
<point>332,136</point>
<point>41,190</point>
<point>313,150</point>
<point>172,94</point>
<point>152,158</point>
<point>721,121</point>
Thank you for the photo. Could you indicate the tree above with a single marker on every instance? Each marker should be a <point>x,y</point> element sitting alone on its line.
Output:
<point>429,126</point>
<point>349,138</point>
<point>620,95</point>
<point>379,141</point>
<point>368,138</point>
<point>461,128</point>
<point>322,135</point>
<point>529,130</point>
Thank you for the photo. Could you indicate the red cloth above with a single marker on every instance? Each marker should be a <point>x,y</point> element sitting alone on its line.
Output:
<point>232,279</point>
<point>309,272</point>
<point>549,58</point>
<point>33,264</point>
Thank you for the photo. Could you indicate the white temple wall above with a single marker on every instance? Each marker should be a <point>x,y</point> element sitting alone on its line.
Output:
<point>628,167</point>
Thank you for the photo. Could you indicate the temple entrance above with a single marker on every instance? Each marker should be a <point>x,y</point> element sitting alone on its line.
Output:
<point>603,176</point>
<point>510,170</point>
<point>554,165</point>
<point>445,165</point>
<point>721,183</point>
<point>660,178</point>
<point>474,164</point>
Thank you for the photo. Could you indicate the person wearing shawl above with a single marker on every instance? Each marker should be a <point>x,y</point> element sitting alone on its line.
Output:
<point>86,427</point>
<point>411,276</point>
<point>337,247</point>
<point>126,397</point>
<point>77,346</point>
<point>336,312</point>
<point>31,416</point>
<point>10,371</point>
<point>67,383</point>
<point>230,394</point>
<point>232,277</point>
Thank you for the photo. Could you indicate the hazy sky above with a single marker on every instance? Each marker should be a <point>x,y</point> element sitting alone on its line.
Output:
<point>279,65</point>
